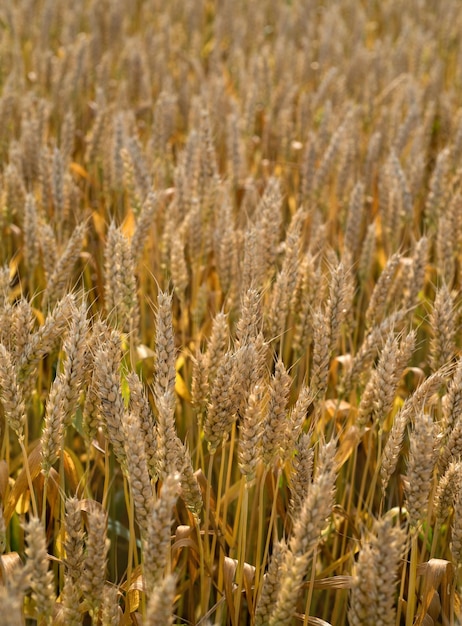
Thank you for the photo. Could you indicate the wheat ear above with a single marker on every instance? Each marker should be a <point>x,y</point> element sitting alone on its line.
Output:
<point>373,594</point>
<point>41,577</point>
<point>94,563</point>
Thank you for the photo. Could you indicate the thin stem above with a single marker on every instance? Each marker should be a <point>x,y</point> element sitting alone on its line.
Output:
<point>364,478</point>
<point>44,500</point>
<point>207,552</point>
<point>259,565</point>
<point>412,586</point>
<point>29,479</point>
<point>373,483</point>
<point>230,467</point>
<point>130,505</point>
<point>310,590</point>
<point>242,544</point>
<point>272,523</point>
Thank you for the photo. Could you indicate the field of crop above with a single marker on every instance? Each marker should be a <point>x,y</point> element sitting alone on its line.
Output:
<point>230,312</point>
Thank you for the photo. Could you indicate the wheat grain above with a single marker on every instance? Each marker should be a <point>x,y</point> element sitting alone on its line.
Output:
<point>416,274</point>
<point>12,596</point>
<point>108,389</point>
<point>167,448</point>
<point>178,267</point>
<point>392,448</point>
<point>139,406</point>
<point>164,380</point>
<point>94,563</point>
<point>142,177</point>
<point>49,248</point>
<point>68,129</point>
<point>59,278</point>
<point>222,407</point>
<point>437,184</point>
<point>137,469</point>
<point>297,418</point>
<point>251,431</point>
<point>275,419</point>
<point>331,153</point>
<point>301,475</point>
<point>144,225</point>
<point>199,384</point>
<point>74,543</point>
<point>368,349</point>
<point>317,504</point>
<point>159,611</point>
<point>70,600</point>
<point>442,345</point>
<point>446,243</point>
<point>271,584</point>
<point>269,218</point>
<point>405,200</point>
<point>378,300</point>
<point>321,355</point>
<point>310,289</point>
<point>11,395</point>
<point>156,542</point>
<point>456,527</point>
<point>452,402</point>
<point>293,570</point>
<point>41,577</point>
<point>367,252</point>
<point>64,393</point>
<point>31,242</point>
<point>446,492</point>
<point>377,399</point>
<point>57,187</point>
<point>46,337</point>
<point>285,282</point>
<point>226,249</point>
<point>110,612</point>
<point>22,321</point>
<point>373,594</point>
<point>249,324</point>
<point>190,490</point>
<point>420,467</point>
<point>120,286</point>
<point>355,218</point>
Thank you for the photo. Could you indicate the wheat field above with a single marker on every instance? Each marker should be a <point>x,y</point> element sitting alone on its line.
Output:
<point>230,312</point>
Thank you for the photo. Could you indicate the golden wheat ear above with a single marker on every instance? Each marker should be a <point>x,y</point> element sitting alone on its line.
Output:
<point>41,578</point>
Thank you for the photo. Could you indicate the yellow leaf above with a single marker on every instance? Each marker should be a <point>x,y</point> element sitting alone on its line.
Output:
<point>73,470</point>
<point>135,583</point>
<point>14,264</point>
<point>78,169</point>
<point>9,563</point>
<point>144,352</point>
<point>133,600</point>
<point>181,388</point>
<point>99,223</point>
<point>207,48</point>
<point>4,475</point>
<point>436,573</point>
<point>21,484</point>
<point>128,225</point>
<point>229,569</point>
<point>340,410</point>
<point>348,442</point>
<point>39,315</point>
<point>292,202</point>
